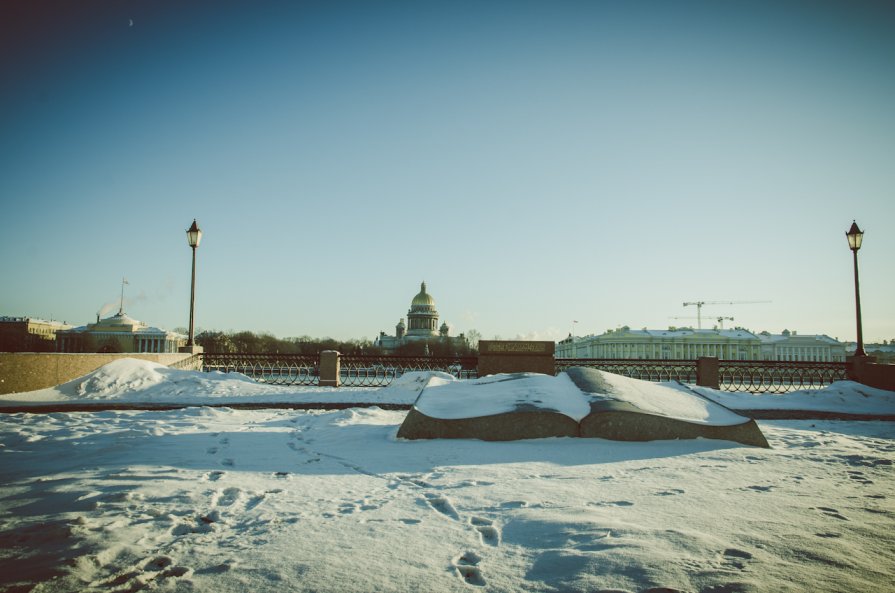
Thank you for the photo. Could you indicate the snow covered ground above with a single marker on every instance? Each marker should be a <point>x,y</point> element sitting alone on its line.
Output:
<point>219,499</point>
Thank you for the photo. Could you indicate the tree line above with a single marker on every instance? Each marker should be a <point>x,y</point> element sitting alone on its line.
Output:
<point>265,343</point>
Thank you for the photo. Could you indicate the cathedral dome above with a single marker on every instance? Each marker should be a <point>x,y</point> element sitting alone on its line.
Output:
<point>423,299</point>
<point>119,321</point>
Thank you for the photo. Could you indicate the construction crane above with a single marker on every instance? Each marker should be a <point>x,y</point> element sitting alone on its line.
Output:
<point>719,319</point>
<point>699,305</point>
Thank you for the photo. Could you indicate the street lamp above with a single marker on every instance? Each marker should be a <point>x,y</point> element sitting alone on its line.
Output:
<point>193,236</point>
<point>855,236</point>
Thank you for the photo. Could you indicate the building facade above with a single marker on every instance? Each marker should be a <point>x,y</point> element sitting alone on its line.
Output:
<point>118,333</point>
<point>690,344</point>
<point>670,344</point>
<point>808,348</point>
<point>421,327</point>
<point>25,334</point>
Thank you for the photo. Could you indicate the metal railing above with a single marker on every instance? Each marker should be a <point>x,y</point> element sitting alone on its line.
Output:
<point>755,376</point>
<point>355,371</point>
<point>773,376</point>
<point>645,369</point>
<point>275,369</point>
<point>379,371</point>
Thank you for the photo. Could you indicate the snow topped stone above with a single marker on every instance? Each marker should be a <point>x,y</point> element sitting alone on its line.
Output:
<point>672,400</point>
<point>500,394</point>
<point>579,403</point>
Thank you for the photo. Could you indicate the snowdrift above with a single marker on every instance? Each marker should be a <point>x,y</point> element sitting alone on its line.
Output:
<point>579,403</point>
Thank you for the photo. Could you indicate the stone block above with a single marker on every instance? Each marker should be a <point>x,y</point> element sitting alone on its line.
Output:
<point>330,369</point>
<point>516,356</point>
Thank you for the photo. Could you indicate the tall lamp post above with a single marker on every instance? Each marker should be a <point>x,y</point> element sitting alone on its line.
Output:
<point>855,236</point>
<point>193,236</point>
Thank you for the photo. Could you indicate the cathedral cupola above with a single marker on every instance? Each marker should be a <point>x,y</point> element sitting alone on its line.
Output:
<point>422,318</point>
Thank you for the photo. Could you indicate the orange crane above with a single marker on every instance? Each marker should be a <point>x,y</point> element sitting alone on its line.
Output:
<point>699,305</point>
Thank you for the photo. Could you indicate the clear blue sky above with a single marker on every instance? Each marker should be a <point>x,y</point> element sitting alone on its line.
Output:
<point>534,162</point>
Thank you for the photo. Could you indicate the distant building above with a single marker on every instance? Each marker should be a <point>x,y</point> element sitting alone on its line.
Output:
<point>25,334</point>
<point>689,344</point>
<point>664,344</point>
<point>118,333</point>
<point>884,352</point>
<point>807,348</point>
<point>421,327</point>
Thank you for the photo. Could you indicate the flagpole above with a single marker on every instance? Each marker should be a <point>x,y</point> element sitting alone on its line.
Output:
<point>121,307</point>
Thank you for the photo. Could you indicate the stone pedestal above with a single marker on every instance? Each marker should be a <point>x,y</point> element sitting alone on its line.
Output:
<point>329,369</point>
<point>194,349</point>
<point>511,356</point>
<point>855,366</point>
<point>707,372</point>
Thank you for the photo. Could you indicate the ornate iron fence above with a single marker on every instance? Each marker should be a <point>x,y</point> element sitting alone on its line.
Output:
<point>646,369</point>
<point>276,369</point>
<point>355,371</point>
<point>754,376</point>
<point>379,371</point>
<point>772,376</point>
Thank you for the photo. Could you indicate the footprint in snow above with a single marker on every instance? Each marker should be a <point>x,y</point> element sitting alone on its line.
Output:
<point>487,531</point>
<point>734,558</point>
<point>226,498</point>
<point>831,513</point>
<point>467,568</point>
<point>859,477</point>
<point>612,503</point>
<point>443,506</point>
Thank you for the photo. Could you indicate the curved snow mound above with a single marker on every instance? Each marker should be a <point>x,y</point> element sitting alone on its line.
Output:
<point>130,379</point>
<point>415,381</point>
<point>844,397</point>
<point>672,400</point>
<point>119,377</point>
<point>416,378</point>
<point>504,393</point>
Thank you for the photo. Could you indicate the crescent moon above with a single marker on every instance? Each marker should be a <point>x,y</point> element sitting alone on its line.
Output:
<point>131,24</point>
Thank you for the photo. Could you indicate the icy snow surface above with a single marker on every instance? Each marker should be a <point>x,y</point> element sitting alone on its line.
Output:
<point>224,500</point>
<point>846,397</point>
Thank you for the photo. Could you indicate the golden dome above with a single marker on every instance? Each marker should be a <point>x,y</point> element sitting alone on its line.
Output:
<point>423,298</point>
